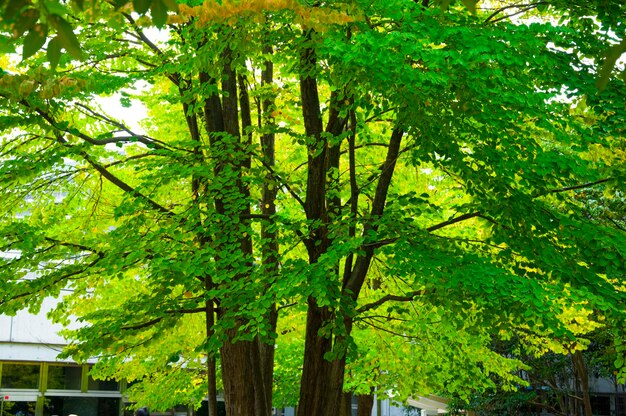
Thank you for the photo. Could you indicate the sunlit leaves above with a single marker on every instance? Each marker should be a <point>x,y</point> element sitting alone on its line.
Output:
<point>481,237</point>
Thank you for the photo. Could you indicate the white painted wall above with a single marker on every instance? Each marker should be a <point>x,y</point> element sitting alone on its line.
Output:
<point>25,327</point>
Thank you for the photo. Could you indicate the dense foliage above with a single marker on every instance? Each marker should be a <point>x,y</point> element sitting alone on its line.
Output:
<point>322,196</point>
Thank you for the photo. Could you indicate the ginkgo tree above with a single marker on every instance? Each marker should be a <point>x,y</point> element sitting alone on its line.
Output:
<point>318,174</point>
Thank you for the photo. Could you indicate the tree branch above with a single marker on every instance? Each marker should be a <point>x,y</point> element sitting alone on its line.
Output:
<point>353,282</point>
<point>453,221</point>
<point>389,297</point>
<point>74,245</point>
<point>140,138</point>
<point>523,7</point>
<point>574,187</point>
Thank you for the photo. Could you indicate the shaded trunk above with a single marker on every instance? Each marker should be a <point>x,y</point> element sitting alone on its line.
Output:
<point>365,404</point>
<point>211,362</point>
<point>247,387</point>
<point>269,235</point>
<point>346,405</point>
<point>324,357</point>
<point>197,187</point>
<point>583,377</point>
<point>322,380</point>
<point>241,375</point>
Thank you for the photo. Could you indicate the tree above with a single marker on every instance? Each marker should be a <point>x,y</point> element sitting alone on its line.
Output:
<point>391,165</point>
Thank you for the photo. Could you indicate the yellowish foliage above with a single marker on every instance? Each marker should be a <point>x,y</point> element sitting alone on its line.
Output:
<point>231,11</point>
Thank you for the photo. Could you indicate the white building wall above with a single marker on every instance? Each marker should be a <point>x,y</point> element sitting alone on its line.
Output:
<point>32,337</point>
<point>30,328</point>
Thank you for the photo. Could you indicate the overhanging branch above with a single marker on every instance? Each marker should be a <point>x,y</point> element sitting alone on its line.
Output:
<point>389,297</point>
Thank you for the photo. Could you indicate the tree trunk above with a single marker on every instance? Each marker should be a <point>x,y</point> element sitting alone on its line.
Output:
<point>583,377</point>
<point>241,374</point>
<point>210,363</point>
<point>365,403</point>
<point>318,392</point>
<point>244,364</point>
<point>346,405</point>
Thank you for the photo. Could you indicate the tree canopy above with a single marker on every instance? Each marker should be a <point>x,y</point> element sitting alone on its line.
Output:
<point>323,197</point>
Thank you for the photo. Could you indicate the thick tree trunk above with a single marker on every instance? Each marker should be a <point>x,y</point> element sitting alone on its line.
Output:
<point>243,393</point>
<point>322,380</point>
<point>365,404</point>
<point>246,365</point>
<point>346,405</point>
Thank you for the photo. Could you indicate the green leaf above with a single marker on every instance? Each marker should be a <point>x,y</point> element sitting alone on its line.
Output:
<point>25,21</point>
<point>159,13</point>
<point>66,35</point>
<point>80,4</point>
<point>611,57</point>
<point>119,3</point>
<point>54,52</point>
<point>6,46</point>
<point>34,40</point>
<point>171,5</point>
<point>54,7</point>
<point>12,9</point>
<point>471,5</point>
<point>141,6</point>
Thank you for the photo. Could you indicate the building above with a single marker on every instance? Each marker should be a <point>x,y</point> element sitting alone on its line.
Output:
<point>35,382</point>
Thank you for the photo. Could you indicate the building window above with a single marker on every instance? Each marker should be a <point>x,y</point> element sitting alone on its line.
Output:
<point>620,405</point>
<point>601,405</point>
<point>64,377</point>
<point>102,385</point>
<point>20,376</point>
<point>18,408</point>
<point>83,406</point>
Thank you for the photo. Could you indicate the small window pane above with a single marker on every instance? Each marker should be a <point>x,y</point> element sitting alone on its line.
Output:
<point>20,376</point>
<point>64,377</point>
